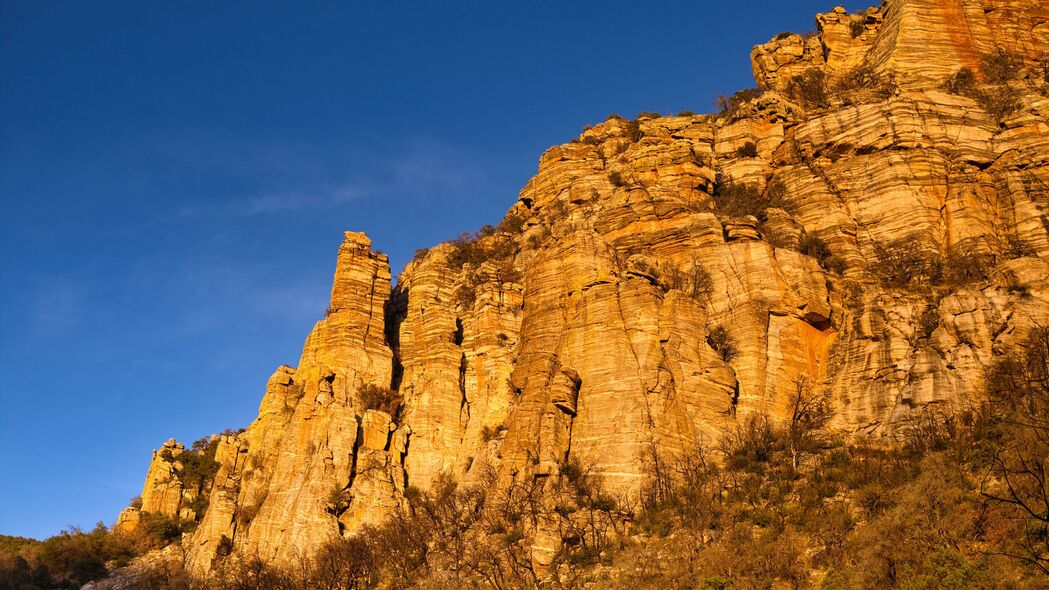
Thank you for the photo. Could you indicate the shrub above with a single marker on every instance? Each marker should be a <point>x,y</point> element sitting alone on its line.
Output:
<point>783,35</point>
<point>616,179</point>
<point>648,115</point>
<point>633,128</point>
<point>489,434</point>
<point>929,321</point>
<point>721,341</point>
<point>730,106</point>
<point>512,224</point>
<point>465,296</point>
<point>814,246</point>
<point>698,280</point>
<point>478,248</point>
<point>327,312</point>
<point>376,397</point>
<point>857,28</point>
<point>198,464</point>
<point>963,83</point>
<point>964,268</point>
<point>835,264</point>
<point>809,89</point>
<point>1000,66</point>
<point>999,100</point>
<point>864,77</point>
<point>687,113</point>
<point>904,267</point>
<point>747,150</point>
<point>738,200</point>
<point>749,445</point>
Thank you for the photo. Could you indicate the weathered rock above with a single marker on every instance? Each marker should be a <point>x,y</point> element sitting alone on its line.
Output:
<point>621,311</point>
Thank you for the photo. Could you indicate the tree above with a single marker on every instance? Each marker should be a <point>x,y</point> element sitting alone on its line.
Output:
<point>809,414</point>
<point>1019,391</point>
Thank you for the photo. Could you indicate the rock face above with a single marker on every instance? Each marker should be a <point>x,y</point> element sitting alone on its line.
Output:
<point>660,280</point>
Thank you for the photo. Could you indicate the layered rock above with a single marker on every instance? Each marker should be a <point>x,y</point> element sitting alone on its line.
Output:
<point>627,307</point>
<point>916,41</point>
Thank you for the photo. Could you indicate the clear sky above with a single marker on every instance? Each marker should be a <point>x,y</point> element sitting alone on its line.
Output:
<point>176,176</point>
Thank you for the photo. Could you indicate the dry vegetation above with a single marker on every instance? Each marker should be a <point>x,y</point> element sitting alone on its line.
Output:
<point>995,95</point>
<point>960,502</point>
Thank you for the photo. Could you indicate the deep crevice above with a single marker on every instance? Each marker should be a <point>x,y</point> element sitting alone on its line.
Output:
<point>395,310</point>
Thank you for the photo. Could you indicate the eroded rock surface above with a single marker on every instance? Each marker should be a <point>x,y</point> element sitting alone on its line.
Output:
<point>625,306</point>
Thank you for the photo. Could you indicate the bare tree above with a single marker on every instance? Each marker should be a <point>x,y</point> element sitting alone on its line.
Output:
<point>809,414</point>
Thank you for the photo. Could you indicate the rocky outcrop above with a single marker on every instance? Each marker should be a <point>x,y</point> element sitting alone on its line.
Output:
<point>917,42</point>
<point>659,280</point>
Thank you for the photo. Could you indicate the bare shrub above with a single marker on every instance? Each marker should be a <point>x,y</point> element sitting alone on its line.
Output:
<point>904,267</point>
<point>997,98</point>
<point>1001,66</point>
<point>810,89</point>
<point>809,414</point>
<point>732,106</point>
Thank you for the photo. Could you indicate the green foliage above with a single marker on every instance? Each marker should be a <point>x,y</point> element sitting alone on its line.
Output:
<point>68,560</point>
<point>198,464</point>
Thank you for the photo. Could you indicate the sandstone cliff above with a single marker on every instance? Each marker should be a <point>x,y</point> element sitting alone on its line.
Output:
<point>659,279</point>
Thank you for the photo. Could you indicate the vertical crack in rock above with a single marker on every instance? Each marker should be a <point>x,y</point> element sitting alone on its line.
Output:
<point>584,336</point>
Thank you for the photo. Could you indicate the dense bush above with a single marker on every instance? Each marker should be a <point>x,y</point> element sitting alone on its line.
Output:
<point>857,28</point>
<point>1001,66</point>
<point>747,150</point>
<point>67,560</point>
<point>814,246</point>
<point>721,341</point>
<point>738,199</point>
<point>377,397</point>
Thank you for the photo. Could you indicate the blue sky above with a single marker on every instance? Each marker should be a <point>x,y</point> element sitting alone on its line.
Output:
<point>175,178</point>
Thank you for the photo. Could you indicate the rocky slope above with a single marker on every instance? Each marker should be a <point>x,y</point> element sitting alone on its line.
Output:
<point>855,227</point>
